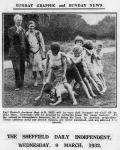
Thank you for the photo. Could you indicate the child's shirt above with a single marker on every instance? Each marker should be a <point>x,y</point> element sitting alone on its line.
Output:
<point>99,56</point>
<point>34,45</point>
<point>74,58</point>
<point>56,66</point>
<point>55,61</point>
<point>87,57</point>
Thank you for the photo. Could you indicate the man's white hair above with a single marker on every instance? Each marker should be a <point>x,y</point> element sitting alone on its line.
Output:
<point>17,16</point>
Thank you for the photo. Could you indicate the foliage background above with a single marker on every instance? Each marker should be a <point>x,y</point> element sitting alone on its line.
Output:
<point>63,27</point>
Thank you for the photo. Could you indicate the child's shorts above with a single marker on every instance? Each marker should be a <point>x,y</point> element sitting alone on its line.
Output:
<point>82,70</point>
<point>73,73</point>
<point>36,61</point>
<point>55,76</point>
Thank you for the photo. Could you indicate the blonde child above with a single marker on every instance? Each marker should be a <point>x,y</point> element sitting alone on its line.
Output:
<point>82,68</point>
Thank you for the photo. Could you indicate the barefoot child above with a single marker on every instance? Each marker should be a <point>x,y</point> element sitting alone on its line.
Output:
<point>88,57</point>
<point>56,64</point>
<point>98,56</point>
<point>73,74</point>
<point>82,68</point>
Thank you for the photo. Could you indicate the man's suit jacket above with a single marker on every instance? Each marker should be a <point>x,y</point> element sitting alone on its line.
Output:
<point>18,43</point>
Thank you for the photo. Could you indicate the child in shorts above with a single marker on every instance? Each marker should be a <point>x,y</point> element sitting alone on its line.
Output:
<point>73,75</point>
<point>56,73</point>
<point>82,68</point>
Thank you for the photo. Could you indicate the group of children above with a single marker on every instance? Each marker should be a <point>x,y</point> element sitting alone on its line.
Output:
<point>80,67</point>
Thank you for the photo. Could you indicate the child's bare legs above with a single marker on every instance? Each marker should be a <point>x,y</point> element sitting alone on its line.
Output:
<point>89,87</point>
<point>101,77</point>
<point>85,89</point>
<point>42,74</point>
<point>71,93</point>
<point>41,94</point>
<point>96,82</point>
<point>91,80</point>
<point>72,83</point>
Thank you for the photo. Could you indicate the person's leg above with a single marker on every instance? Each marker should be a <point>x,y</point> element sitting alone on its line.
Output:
<point>79,80</point>
<point>103,81</point>
<point>71,93</point>
<point>39,66</point>
<point>96,80</point>
<point>41,93</point>
<point>89,87</point>
<point>35,78</point>
<point>86,90</point>
<point>34,69</point>
<point>16,67</point>
<point>42,74</point>
<point>94,84</point>
<point>98,75</point>
<point>17,79</point>
<point>45,86</point>
<point>22,70</point>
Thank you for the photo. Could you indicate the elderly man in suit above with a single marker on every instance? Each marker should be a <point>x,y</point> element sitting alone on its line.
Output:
<point>17,51</point>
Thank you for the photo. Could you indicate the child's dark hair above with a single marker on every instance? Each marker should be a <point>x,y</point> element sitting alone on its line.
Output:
<point>55,46</point>
<point>48,87</point>
<point>88,45</point>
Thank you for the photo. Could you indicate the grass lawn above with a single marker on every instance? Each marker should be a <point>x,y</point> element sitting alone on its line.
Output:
<point>26,96</point>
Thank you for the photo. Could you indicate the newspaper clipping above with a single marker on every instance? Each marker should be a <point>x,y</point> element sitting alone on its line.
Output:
<point>59,69</point>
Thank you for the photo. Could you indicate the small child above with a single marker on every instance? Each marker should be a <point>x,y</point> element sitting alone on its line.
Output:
<point>98,56</point>
<point>73,74</point>
<point>82,68</point>
<point>56,62</point>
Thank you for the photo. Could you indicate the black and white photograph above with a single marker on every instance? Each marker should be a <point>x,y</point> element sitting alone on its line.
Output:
<point>59,60</point>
